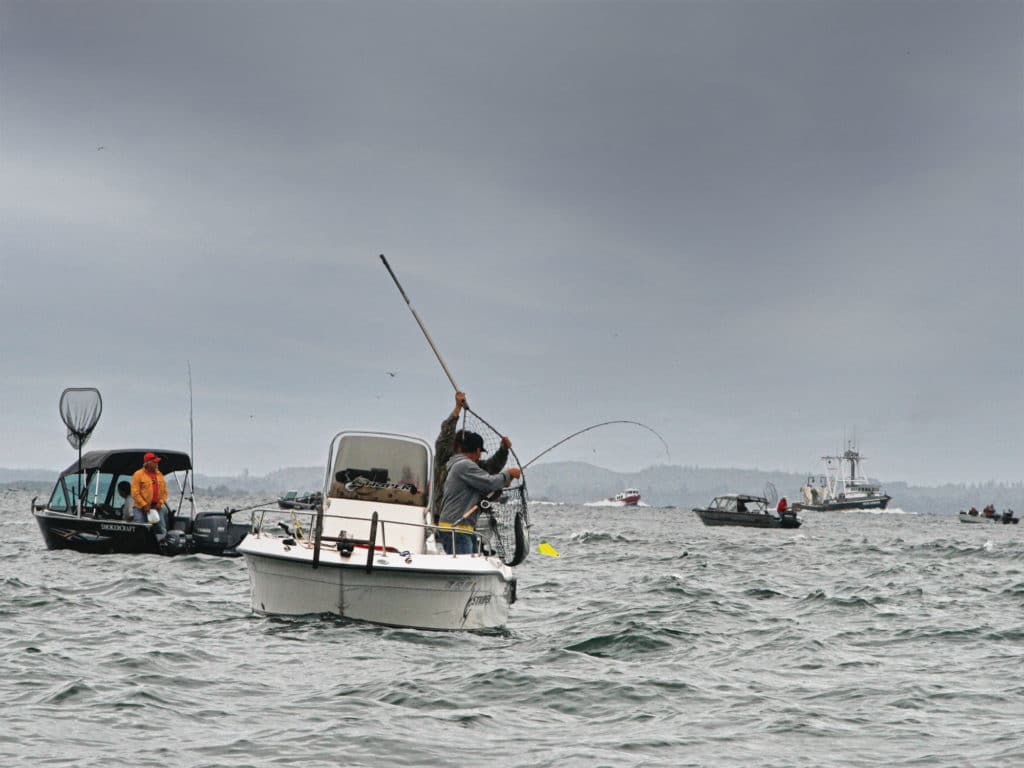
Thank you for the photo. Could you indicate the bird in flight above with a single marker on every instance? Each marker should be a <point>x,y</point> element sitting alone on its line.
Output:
<point>390,373</point>
<point>100,147</point>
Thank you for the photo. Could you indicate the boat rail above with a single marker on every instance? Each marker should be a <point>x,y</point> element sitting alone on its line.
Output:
<point>346,544</point>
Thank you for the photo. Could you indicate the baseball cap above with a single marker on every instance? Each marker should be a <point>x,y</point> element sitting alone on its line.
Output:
<point>150,457</point>
<point>471,441</point>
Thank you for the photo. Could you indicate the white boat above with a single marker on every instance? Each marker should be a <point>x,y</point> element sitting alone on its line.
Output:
<point>1007,517</point>
<point>372,556</point>
<point>843,487</point>
<point>975,518</point>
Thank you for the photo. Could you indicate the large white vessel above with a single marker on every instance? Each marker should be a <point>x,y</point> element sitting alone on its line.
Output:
<point>843,486</point>
<point>370,553</point>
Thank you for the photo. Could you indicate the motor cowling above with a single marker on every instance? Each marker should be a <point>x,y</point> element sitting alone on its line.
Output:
<point>210,531</point>
<point>176,543</point>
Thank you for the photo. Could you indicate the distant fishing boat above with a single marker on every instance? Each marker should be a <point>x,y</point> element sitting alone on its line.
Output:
<point>745,510</point>
<point>842,487</point>
<point>629,497</point>
<point>988,516</point>
<point>295,500</point>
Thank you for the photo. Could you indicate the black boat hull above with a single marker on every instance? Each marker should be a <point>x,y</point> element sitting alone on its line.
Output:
<point>209,533</point>
<point>846,505</point>
<point>746,519</point>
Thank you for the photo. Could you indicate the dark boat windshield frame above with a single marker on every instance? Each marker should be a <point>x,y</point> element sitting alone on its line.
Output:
<point>102,471</point>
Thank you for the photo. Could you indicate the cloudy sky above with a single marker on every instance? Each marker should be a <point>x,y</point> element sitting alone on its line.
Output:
<point>753,226</point>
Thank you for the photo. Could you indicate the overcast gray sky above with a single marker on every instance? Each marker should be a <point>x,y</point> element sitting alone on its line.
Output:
<point>753,226</point>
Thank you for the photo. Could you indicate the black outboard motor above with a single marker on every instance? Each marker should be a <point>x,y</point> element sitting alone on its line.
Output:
<point>210,532</point>
<point>176,542</point>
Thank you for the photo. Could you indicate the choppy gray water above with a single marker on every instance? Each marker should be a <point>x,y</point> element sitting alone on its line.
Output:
<point>858,640</point>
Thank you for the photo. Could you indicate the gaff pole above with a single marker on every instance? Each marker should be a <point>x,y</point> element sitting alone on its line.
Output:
<point>423,328</point>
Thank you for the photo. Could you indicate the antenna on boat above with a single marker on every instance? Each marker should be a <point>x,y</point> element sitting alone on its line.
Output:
<point>80,409</point>
<point>191,432</point>
<point>423,328</point>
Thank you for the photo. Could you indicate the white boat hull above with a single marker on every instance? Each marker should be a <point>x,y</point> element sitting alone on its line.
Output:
<point>424,591</point>
<point>964,518</point>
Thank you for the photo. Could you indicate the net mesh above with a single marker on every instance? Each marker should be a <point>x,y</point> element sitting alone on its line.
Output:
<point>80,409</point>
<point>504,519</point>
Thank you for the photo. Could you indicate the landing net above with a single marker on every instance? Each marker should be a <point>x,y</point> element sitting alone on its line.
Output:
<point>80,409</point>
<point>504,520</point>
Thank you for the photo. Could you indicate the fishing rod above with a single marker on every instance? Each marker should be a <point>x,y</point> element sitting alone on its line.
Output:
<point>595,426</point>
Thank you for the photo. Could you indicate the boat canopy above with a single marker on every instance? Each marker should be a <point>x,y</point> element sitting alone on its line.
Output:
<point>732,501</point>
<point>126,461</point>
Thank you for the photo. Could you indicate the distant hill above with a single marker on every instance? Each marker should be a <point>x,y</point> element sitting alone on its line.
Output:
<point>579,482</point>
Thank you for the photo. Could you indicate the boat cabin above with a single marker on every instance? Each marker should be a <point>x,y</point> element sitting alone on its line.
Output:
<point>378,472</point>
<point>89,488</point>
<point>740,502</point>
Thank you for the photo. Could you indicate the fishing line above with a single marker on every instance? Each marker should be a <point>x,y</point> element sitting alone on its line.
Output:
<point>595,426</point>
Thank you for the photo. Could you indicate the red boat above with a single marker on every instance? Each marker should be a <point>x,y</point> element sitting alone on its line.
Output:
<point>629,497</point>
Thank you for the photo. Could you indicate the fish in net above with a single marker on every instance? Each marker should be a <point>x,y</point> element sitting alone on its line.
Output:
<point>504,519</point>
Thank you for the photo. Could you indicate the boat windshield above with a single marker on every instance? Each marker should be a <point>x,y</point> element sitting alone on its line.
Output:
<point>367,466</point>
<point>100,490</point>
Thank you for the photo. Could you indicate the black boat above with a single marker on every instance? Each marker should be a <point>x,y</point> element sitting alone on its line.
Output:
<point>746,510</point>
<point>295,500</point>
<point>84,511</point>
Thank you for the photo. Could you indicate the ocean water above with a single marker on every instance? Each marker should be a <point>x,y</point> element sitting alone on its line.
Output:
<point>858,640</point>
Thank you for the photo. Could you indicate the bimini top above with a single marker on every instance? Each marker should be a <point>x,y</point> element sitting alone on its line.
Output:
<point>126,460</point>
<point>738,502</point>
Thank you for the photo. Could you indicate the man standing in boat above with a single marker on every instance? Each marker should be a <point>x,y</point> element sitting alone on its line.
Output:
<point>149,492</point>
<point>465,486</point>
<point>447,445</point>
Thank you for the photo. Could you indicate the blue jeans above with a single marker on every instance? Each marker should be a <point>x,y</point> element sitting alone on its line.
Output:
<point>139,516</point>
<point>465,544</point>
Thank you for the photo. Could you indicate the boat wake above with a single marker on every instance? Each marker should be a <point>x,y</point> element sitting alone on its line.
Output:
<point>610,503</point>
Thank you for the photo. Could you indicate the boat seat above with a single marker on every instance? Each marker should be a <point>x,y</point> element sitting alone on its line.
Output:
<point>373,485</point>
<point>352,516</point>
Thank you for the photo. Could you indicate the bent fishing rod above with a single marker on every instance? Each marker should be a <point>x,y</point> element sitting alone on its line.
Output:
<point>595,426</point>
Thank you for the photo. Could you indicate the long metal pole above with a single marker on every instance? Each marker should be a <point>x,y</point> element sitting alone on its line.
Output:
<point>423,328</point>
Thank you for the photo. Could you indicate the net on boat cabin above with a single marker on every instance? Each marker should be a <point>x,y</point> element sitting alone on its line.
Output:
<point>504,519</point>
<point>80,409</point>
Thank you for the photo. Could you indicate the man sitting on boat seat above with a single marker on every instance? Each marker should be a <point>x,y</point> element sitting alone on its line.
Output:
<point>124,491</point>
<point>464,488</point>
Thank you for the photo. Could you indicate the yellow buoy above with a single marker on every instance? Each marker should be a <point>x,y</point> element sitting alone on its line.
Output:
<point>546,549</point>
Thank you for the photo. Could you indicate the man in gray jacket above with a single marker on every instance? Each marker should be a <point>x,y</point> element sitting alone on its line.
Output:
<point>447,445</point>
<point>465,486</point>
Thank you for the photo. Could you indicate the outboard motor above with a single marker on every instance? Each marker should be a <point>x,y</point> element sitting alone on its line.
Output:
<point>210,532</point>
<point>176,543</point>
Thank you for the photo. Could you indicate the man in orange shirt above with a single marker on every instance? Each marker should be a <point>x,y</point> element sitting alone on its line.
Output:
<point>149,492</point>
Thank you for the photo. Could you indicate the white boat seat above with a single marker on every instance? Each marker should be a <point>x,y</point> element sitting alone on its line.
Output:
<point>353,515</point>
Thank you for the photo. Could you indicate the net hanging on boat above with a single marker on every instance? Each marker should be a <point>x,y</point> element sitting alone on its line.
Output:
<point>504,519</point>
<point>80,409</point>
